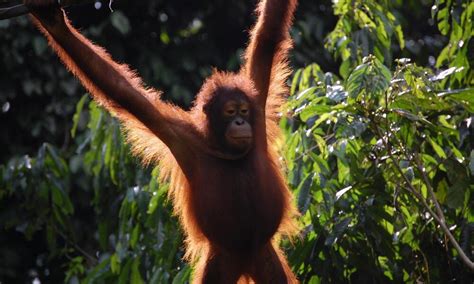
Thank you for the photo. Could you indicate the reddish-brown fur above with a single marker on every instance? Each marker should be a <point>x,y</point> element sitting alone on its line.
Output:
<point>233,208</point>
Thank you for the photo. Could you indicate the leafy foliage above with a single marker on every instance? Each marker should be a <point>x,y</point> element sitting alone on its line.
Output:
<point>380,161</point>
<point>379,155</point>
<point>369,157</point>
<point>364,27</point>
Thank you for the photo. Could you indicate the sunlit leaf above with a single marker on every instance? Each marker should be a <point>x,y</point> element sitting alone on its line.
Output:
<point>77,114</point>
<point>438,149</point>
<point>342,192</point>
<point>115,263</point>
<point>135,277</point>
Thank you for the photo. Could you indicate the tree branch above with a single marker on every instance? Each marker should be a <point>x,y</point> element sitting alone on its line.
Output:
<point>440,219</point>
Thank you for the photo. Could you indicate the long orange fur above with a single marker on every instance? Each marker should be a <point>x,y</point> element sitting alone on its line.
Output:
<point>146,144</point>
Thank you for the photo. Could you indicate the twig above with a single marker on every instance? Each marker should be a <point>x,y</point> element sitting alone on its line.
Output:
<point>77,247</point>
<point>440,219</point>
<point>428,185</point>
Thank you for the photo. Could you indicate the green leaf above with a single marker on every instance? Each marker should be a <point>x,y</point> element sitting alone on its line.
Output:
<point>355,82</point>
<point>439,151</point>
<point>165,38</point>
<point>443,20</point>
<point>314,109</point>
<point>364,19</point>
<point>336,93</point>
<point>120,22</point>
<point>464,96</point>
<point>136,277</point>
<point>443,57</point>
<point>153,203</point>
<point>400,37</point>
<point>183,276</point>
<point>115,263</point>
<point>337,231</point>
<point>306,94</point>
<point>321,145</point>
<point>407,114</point>
<point>459,183</point>
<point>57,196</point>
<point>442,191</point>
<point>135,236</point>
<point>314,280</point>
<point>457,194</point>
<point>304,196</point>
<point>97,271</point>
<point>77,115</point>
<point>125,274</point>
<point>295,81</point>
<point>59,163</point>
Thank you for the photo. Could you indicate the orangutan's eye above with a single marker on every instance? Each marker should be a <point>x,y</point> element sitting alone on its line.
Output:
<point>230,112</point>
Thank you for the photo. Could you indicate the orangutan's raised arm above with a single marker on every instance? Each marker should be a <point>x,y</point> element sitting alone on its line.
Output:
<point>113,85</point>
<point>269,43</point>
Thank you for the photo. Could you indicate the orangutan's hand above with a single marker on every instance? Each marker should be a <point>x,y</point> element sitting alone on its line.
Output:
<point>47,12</point>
